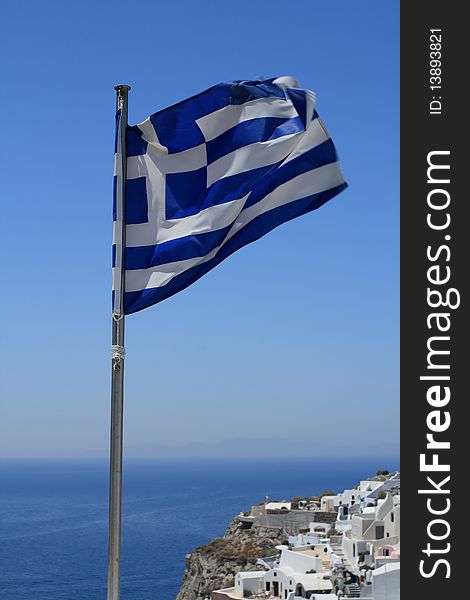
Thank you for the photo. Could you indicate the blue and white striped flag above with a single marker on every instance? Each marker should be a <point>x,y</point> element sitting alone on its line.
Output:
<point>214,173</point>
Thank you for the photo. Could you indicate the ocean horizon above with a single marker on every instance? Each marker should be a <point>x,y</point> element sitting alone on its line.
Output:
<point>54,519</point>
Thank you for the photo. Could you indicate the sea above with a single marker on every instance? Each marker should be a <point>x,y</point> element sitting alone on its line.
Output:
<point>53,517</point>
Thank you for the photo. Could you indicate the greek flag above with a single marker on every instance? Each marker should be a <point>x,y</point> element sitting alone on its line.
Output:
<point>214,173</point>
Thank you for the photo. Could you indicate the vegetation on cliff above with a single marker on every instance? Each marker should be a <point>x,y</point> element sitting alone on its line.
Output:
<point>214,565</point>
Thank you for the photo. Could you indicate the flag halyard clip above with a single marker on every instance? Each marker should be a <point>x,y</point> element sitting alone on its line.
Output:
<point>118,354</point>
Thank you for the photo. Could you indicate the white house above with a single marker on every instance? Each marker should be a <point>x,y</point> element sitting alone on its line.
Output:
<point>282,582</point>
<point>277,506</point>
<point>315,535</point>
<point>392,484</point>
<point>327,503</point>
<point>322,551</point>
<point>368,485</point>
<point>298,574</point>
<point>249,582</point>
<point>345,499</point>
<point>308,505</point>
<point>386,582</point>
<point>387,554</point>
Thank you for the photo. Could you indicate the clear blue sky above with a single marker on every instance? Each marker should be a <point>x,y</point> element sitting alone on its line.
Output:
<point>295,336</point>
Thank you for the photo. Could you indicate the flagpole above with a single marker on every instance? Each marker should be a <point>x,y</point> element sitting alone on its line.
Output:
<point>118,353</point>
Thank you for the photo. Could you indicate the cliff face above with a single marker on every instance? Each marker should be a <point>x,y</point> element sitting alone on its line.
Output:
<point>214,565</point>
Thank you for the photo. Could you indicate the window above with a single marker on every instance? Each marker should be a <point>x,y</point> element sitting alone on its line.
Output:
<point>392,517</point>
<point>379,532</point>
<point>268,586</point>
<point>275,574</point>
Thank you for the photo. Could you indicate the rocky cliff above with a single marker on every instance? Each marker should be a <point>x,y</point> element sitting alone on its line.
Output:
<point>214,565</point>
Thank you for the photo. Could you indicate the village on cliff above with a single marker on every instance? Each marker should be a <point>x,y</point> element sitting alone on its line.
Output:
<point>332,546</point>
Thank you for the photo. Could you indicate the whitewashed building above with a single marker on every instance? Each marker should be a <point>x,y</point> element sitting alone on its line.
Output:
<point>370,530</point>
<point>297,574</point>
<point>317,534</point>
<point>251,582</point>
<point>386,582</point>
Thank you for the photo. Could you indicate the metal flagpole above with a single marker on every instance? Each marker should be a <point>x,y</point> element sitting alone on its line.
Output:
<point>117,361</point>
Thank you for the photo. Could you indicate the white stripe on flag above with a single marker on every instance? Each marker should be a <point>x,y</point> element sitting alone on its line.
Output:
<point>315,135</point>
<point>149,133</point>
<point>310,102</point>
<point>179,162</point>
<point>253,156</point>
<point>220,121</point>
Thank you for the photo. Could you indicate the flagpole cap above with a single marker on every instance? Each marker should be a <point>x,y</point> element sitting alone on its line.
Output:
<point>122,87</point>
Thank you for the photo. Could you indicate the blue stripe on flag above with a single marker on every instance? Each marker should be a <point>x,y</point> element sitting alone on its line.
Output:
<point>135,301</point>
<point>144,257</point>
<point>300,103</point>
<point>136,201</point>
<point>118,117</point>
<point>249,132</point>
<point>135,144</point>
<point>322,154</point>
<point>236,186</point>
<point>185,193</point>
